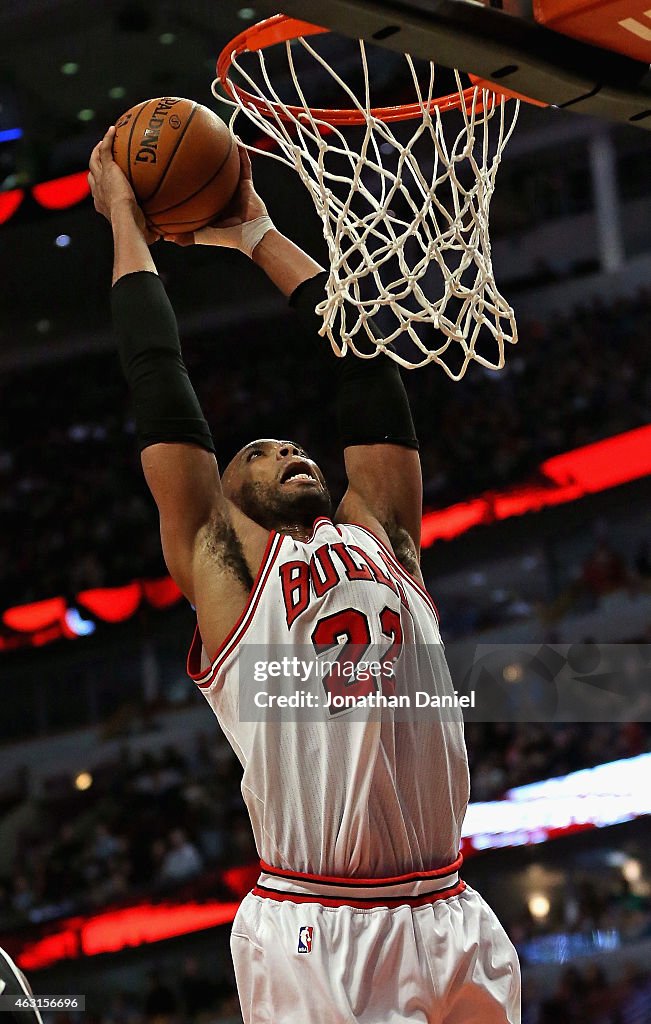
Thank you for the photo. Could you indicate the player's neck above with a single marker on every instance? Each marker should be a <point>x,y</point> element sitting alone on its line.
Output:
<point>296,530</point>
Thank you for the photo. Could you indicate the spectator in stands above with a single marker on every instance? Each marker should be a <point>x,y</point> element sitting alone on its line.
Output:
<point>157,855</point>
<point>198,992</point>
<point>82,527</point>
<point>642,562</point>
<point>636,997</point>
<point>104,845</point>
<point>604,570</point>
<point>23,898</point>
<point>160,1000</point>
<point>122,854</point>
<point>564,1006</point>
<point>5,902</point>
<point>599,1003</point>
<point>123,1009</point>
<point>182,860</point>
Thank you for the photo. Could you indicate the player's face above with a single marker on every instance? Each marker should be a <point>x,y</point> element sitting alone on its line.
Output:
<point>277,485</point>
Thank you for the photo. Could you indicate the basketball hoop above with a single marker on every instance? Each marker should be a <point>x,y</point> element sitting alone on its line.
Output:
<point>393,209</point>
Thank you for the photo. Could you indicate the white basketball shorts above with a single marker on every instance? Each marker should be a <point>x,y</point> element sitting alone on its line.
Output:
<point>418,949</point>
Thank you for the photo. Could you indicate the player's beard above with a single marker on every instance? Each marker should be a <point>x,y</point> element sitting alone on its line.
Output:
<point>275,509</point>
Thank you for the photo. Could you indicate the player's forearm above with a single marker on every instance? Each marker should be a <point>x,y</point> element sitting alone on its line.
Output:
<point>371,402</point>
<point>284,263</point>
<point>130,250</point>
<point>167,410</point>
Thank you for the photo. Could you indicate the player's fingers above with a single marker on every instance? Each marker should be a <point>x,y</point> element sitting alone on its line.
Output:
<point>187,238</point>
<point>94,162</point>
<point>246,173</point>
<point>106,145</point>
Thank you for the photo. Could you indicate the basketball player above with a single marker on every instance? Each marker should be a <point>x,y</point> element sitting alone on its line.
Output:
<point>359,913</point>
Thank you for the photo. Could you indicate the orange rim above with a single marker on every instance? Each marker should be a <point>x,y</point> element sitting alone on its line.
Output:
<point>508,94</point>
<point>280,29</point>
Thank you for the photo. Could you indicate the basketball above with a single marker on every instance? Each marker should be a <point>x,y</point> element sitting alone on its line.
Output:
<point>181,161</point>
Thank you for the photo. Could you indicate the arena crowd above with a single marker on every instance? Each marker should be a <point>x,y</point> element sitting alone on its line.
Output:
<point>152,825</point>
<point>75,513</point>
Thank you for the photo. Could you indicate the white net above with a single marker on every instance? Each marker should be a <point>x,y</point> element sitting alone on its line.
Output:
<point>405,211</point>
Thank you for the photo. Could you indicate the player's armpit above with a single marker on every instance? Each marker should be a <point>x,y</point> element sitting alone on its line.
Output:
<point>184,483</point>
<point>405,549</point>
<point>396,538</point>
<point>228,555</point>
<point>385,494</point>
<point>211,549</point>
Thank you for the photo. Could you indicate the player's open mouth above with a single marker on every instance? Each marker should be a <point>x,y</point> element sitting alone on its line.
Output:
<point>298,471</point>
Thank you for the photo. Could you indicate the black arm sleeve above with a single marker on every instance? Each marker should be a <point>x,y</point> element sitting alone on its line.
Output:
<point>372,404</point>
<point>165,404</point>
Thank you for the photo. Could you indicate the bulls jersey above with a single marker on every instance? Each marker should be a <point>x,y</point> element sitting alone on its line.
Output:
<point>333,793</point>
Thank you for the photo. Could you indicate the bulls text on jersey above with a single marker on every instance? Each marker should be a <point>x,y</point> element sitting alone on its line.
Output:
<point>330,565</point>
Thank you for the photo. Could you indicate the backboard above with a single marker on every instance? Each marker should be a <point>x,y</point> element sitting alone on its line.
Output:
<point>508,43</point>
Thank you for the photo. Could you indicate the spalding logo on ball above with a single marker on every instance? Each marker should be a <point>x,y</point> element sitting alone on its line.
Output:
<point>181,161</point>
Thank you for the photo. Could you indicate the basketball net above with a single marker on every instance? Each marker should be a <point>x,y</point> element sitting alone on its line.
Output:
<point>391,216</point>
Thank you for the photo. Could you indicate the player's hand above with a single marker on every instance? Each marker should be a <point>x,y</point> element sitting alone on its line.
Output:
<point>246,205</point>
<point>110,187</point>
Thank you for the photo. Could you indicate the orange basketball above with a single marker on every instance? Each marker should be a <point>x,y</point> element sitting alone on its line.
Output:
<point>181,161</point>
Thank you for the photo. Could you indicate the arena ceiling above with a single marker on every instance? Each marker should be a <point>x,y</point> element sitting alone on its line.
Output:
<point>59,59</point>
<point>139,46</point>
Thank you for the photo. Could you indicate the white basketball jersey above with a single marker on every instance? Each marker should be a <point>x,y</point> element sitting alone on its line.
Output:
<point>329,792</point>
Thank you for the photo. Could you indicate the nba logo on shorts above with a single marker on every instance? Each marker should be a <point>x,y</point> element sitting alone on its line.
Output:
<point>305,938</point>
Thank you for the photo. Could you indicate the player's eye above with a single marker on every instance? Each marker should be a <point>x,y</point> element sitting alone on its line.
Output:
<point>252,454</point>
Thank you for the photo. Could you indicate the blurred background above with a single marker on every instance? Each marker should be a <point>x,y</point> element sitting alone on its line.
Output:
<point>124,843</point>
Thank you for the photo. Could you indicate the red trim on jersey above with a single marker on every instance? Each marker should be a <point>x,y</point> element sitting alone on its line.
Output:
<point>243,622</point>
<point>364,883</point>
<point>401,569</point>
<point>280,896</point>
